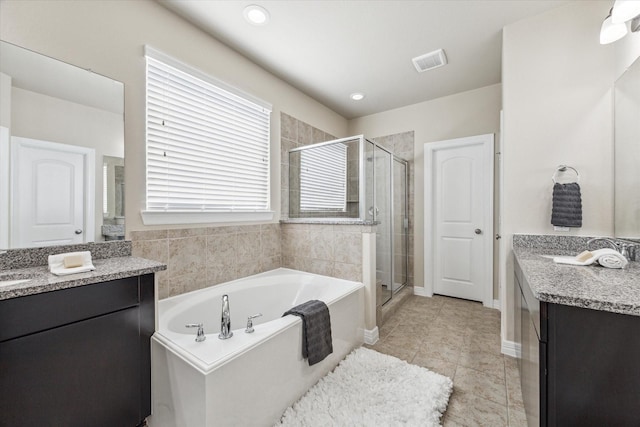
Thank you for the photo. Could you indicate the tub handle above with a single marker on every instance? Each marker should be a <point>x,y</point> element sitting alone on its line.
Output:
<point>200,334</point>
<point>250,323</point>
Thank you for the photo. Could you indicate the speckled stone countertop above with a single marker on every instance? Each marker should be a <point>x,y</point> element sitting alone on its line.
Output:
<point>40,280</point>
<point>592,287</point>
<point>328,221</point>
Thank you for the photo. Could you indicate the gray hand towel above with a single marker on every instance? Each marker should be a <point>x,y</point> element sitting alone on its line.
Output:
<point>567,205</point>
<point>316,330</point>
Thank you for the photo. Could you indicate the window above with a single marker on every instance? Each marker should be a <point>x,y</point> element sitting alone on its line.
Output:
<point>207,143</point>
<point>323,178</point>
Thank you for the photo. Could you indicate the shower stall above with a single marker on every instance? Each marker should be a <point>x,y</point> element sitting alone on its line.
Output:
<point>355,178</point>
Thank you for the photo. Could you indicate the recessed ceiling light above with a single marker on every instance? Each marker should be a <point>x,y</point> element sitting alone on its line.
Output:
<point>357,96</point>
<point>256,15</point>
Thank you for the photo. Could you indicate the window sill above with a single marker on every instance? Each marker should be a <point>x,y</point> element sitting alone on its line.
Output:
<point>175,218</point>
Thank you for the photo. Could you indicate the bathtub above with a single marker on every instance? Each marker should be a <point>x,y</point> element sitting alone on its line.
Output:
<point>249,379</point>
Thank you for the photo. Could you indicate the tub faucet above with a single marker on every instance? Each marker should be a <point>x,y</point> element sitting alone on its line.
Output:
<point>200,336</point>
<point>225,320</point>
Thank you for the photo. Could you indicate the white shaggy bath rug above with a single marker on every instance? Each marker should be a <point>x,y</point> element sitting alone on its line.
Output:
<point>372,389</point>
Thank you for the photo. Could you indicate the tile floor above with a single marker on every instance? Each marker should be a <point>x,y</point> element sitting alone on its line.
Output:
<point>459,339</point>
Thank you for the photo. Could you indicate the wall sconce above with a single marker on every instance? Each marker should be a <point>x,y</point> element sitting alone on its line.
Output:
<point>614,26</point>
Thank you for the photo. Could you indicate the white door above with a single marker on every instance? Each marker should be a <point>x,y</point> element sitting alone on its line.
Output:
<point>50,198</point>
<point>459,218</point>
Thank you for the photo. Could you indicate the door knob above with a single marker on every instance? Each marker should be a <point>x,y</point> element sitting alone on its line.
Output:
<point>478,231</point>
<point>78,231</point>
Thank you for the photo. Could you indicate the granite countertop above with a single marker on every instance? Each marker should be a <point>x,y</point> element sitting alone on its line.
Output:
<point>40,280</point>
<point>329,221</point>
<point>592,287</point>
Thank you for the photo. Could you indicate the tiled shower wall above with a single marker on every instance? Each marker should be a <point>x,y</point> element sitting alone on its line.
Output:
<point>332,250</point>
<point>402,145</point>
<point>200,257</point>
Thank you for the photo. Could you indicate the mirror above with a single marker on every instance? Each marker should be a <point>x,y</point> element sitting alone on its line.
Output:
<point>627,153</point>
<point>61,152</point>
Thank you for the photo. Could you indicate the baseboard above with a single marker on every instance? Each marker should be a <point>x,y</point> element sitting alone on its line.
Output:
<point>496,304</point>
<point>511,348</point>
<point>371,336</point>
<point>420,291</point>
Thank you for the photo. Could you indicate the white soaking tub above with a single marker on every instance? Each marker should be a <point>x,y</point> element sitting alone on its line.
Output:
<point>249,379</point>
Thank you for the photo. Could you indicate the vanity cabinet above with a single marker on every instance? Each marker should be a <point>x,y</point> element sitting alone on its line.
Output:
<point>579,366</point>
<point>78,356</point>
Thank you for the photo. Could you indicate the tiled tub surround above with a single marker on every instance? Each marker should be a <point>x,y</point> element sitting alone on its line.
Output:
<point>197,258</point>
<point>592,287</point>
<point>331,250</point>
<point>200,257</point>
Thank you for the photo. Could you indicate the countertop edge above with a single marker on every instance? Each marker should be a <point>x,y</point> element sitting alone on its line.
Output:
<point>569,295</point>
<point>106,270</point>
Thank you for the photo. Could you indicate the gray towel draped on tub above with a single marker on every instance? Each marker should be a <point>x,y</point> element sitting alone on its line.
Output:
<point>316,330</point>
<point>567,205</point>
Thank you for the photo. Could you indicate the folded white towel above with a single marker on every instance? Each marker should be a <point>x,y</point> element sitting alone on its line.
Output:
<point>606,257</point>
<point>613,260</point>
<point>56,263</point>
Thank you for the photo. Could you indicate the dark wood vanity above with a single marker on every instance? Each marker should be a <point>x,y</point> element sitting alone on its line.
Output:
<point>78,356</point>
<point>579,366</point>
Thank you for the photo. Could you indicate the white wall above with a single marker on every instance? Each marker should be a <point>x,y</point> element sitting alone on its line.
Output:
<point>557,100</point>
<point>627,50</point>
<point>464,114</point>
<point>108,37</point>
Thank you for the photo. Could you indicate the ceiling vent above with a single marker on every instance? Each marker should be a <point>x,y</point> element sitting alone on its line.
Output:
<point>430,60</point>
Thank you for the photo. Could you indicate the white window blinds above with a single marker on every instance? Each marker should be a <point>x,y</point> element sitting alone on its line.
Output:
<point>207,144</point>
<point>323,178</point>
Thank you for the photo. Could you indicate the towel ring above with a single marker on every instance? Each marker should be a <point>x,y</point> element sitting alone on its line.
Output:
<point>563,168</point>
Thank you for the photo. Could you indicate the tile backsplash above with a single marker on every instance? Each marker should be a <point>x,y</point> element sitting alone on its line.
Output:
<point>330,250</point>
<point>201,257</point>
<point>206,256</point>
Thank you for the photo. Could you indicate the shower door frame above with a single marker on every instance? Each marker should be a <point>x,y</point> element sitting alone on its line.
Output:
<point>405,220</point>
<point>392,158</point>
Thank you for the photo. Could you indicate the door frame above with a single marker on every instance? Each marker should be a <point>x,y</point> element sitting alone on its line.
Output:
<point>89,181</point>
<point>487,142</point>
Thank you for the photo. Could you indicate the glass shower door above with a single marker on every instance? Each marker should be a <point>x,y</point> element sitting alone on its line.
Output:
<point>400,224</point>
<point>380,211</point>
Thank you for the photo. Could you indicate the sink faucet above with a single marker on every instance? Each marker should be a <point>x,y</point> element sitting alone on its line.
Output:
<point>629,250</point>
<point>608,240</point>
<point>225,320</point>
